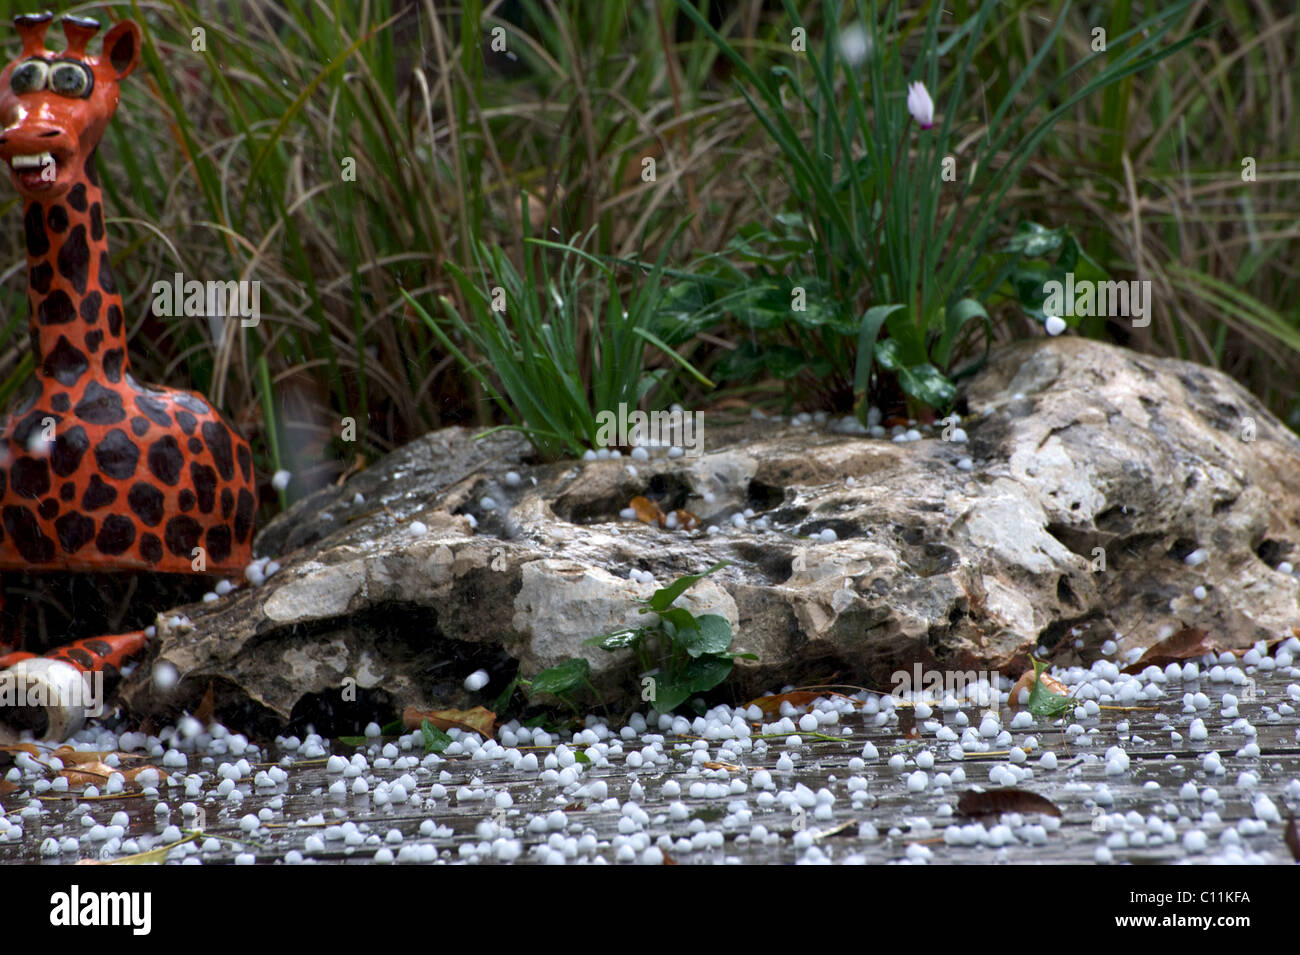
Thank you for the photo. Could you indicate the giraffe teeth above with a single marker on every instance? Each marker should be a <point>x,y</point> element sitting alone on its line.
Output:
<point>31,162</point>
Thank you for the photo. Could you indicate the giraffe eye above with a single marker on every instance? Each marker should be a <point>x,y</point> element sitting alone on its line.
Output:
<point>29,77</point>
<point>69,79</point>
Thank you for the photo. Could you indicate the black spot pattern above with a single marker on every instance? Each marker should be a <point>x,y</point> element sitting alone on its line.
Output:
<point>245,462</point>
<point>75,531</point>
<point>182,535</point>
<point>40,276</point>
<point>48,509</point>
<point>244,515</point>
<point>116,534</point>
<point>227,503</point>
<point>151,548</point>
<point>113,359</point>
<point>98,494</point>
<point>65,363</point>
<point>93,340</point>
<point>117,455</point>
<point>57,218</point>
<point>146,502</point>
<point>154,411</point>
<point>74,259</point>
<point>186,501</point>
<point>219,545</point>
<point>90,308</point>
<point>56,309</point>
<point>77,197</point>
<point>32,545</point>
<point>205,485</point>
<point>96,222</point>
<point>67,490</point>
<point>187,421</point>
<point>139,426</point>
<point>165,460</point>
<point>61,402</point>
<point>195,446</point>
<point>69,448</point>
<point>92,174</point>
<point>38,243</point>
<point>114,319</point>
<point>30,477</point>
<point>106,281</point>
<point>98,405</point>
<point>218,441</point>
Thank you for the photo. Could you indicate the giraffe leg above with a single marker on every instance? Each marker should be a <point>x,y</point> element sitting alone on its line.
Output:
<point>55,693</point>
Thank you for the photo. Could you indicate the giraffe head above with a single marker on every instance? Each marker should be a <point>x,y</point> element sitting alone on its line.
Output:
<point>54,107</point>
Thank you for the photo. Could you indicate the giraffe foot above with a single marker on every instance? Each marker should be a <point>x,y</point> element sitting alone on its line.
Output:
<point>52,696</point>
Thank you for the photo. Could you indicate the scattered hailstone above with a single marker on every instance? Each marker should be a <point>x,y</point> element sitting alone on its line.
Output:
<point>488,504</point>
<point>1054,325</point>
<point>855,44</point>
<point>224,587</point>
<point>1285,567</point>
<point>358,498</point>
<point>512,479</point>
<point>416,528</point>
<point>280,480</point>
<point>1196,557</point>
<point>1199,592</point>
<point>965,464</point>
<point>165,675</point>
<point>827,536</point>
<point>476,680</point>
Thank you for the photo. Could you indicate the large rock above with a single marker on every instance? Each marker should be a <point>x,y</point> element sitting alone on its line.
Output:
<point>1105,486</point>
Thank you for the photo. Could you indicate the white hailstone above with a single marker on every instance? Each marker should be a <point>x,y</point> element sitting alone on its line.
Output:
<point>1054,325</point>
<point>827,536</point>
<point>476,680</point>
<point>280,480</point>
<point>1199,592</point>
<point>358,498</point>
<point>488,503</point>
<point>416,528</point>
<point>1196,557</point>
<point>1285,567</point>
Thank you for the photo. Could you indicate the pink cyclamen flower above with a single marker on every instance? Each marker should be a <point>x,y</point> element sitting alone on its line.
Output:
<point>920,105</point>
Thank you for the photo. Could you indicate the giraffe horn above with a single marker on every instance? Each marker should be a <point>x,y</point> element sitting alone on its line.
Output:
<point>79,31</point>
<point>31,27</point>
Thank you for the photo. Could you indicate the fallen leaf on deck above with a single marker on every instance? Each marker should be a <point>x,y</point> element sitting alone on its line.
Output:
<point>1188,643</point>
<point>1026,682</point>
<point>78,757</point>
<point>6,787</point>
<point>729,767</point>
<point>771,705</point>
<point>206,705</point>
<point>96,773</point>
<point>994,802</point>
<point>479,720</point>
<point>647,511</point>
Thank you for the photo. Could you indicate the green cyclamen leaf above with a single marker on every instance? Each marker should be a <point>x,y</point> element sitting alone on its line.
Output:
<point>711,635</point>
<point>564,678</point>
<point>435,740</point>
<point>1042,701</point>
<point>663,598</point>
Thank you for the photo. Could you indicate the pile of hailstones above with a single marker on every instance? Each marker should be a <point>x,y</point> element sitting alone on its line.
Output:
<point>396,776</point>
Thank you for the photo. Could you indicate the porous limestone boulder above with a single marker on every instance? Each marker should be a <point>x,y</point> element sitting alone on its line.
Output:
<point>1102,487</point>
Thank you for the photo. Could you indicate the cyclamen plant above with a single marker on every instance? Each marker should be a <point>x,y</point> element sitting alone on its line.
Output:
<point>888,238</point>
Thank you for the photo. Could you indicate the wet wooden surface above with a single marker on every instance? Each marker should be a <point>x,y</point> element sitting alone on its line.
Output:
<point>464,800</point>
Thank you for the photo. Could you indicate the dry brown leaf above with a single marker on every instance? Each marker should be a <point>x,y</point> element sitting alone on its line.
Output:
<point>97,772</point>
<point>27,748</point>
<point>994,802</point>
<point>6,787</point>
<point>76,757</point>
<point>1026,682</point>
<point>647,511</point>
<point>479,720</point>
<point>206,705</point>
<point>686,521</point>
<point>1188,643</point>
<point>729,767</point>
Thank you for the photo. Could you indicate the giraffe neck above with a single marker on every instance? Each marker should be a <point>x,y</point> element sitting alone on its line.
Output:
<point>77,322</point>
